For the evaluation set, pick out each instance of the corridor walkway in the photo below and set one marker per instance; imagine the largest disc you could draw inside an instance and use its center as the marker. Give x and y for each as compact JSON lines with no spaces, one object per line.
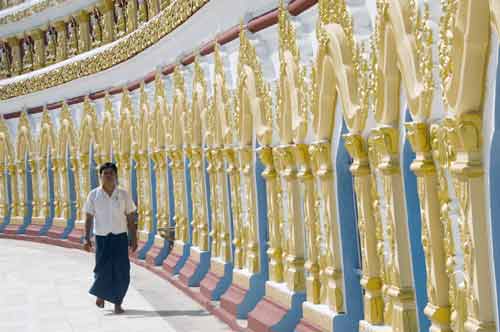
{"x":44,"y":288}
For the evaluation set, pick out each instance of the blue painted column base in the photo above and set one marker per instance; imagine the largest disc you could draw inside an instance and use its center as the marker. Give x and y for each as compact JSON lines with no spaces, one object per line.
{"x":196,"y":267}
{"x":177,"y":257}
{"x":238,"y":301}
{"x":212,"y":286}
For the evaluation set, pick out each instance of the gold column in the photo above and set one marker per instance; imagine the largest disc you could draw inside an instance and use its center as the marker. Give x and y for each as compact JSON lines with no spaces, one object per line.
{"x":4,"y":203}
{"x":160,"y":167}
{"x":222,"y":208}
{"x":106,"y":8}
{"x":312,"y":265}
{"x":77,"y":176}
{"x":250,"y":228}
{"x":180,"y":218}
{"x":465,"y":138}
{"x":21,"y":174}
{"x":84,"y":164}
{"x":438,"y":307}
{"x":294,"y":274}
{"x":233,"y":169}
{"x":153,"y":8}
{"x":399,"y":277}
{"x":35,"y":186}
{"x":371,"y":280}
{"x":131,"y":15}
{"x":15,"y":53}
{"x":83,"y":31}
{"x":212,"y":174}
{"x":14,"y":189}
{"x":57,"y":187}
{"x":44,"y":194}
{"x":199,"y":225}
{"x":61,"y":51}
{"x":275,"y":250}
{"x":39,"y":59}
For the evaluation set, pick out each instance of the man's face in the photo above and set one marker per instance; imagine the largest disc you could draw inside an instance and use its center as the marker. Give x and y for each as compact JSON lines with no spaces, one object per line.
{"x":108,"y":176}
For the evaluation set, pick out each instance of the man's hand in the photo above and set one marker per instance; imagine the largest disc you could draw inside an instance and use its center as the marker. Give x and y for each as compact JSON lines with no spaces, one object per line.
{"x":133,"y":244}
{"x":87,"y":246}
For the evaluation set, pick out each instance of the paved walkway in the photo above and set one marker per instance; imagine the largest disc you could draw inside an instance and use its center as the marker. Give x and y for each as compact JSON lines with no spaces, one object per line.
{"x":44,"y":288}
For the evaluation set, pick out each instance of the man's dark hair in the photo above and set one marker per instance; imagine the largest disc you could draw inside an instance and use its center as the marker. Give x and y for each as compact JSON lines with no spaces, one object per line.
{"x":108,"y":165}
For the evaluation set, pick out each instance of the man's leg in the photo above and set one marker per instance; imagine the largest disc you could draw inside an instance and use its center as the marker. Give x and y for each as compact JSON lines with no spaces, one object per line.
{"x":121,"y":270}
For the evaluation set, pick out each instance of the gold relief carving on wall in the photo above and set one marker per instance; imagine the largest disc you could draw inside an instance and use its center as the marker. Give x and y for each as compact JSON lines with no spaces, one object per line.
{"x":128,"y":46}
{"x":31,"y":10}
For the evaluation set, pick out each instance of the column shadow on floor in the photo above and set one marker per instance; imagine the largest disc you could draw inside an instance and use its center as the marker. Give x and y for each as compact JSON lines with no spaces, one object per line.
{"x":136,"y":313}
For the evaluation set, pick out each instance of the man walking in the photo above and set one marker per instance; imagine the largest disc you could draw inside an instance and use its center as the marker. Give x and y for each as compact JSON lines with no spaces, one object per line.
{"x":112,"y":211}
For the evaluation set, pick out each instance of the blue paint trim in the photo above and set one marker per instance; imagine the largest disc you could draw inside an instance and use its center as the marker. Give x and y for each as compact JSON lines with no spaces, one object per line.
{"x":209,"y":202}
{"x":6,"y":218}
{"x":253,"y":295}
{"x":414,"y":222}
{"x":494,"y":186}
{"x":70,"y":223}
{"x":223,"y":283}
{"x":353,"y":297}
{"x":201,"y":269}
{"x":293,"y":316}
{"x":189,"y":198}
{"x":29,"y":198}
{"x":154,"y":218}
{"x":258,"y":281}
{"x":171,"y":203}
{"x":50,"y":217}
{"x":182,"y":261}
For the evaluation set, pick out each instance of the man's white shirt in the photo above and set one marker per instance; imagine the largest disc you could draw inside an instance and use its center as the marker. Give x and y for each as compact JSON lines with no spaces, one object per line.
{"x":110,"y":212}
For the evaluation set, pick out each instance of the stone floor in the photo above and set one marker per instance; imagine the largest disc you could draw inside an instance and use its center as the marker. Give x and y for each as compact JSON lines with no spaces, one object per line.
{"x":44,"y":288}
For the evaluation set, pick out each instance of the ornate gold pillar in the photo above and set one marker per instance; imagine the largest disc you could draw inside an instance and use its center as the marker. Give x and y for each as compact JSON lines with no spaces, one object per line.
{"x":153,"y":8}
{"x":178,"y":175}
{"x":14,"y":189}
{"x":438,"y":308}
{"x":212,"y":174}
{"x":83,"y":19}
{"x":372,"y":266}
{"x":34,"y":186}
{"x":39,"y":59}
{"x":61,"y":51}
{"x":160,"y":167}
{"x":4,"y":202}
{"x":294,"y":274}
{"x":399,"y":277}
{"x":275,"y":250}
{"x":233,"y":169}
{"x":77,"y":176}
{"x":311,"y":222}
{"x":106,"y":8}
{"x":15,"y":54}
{"x":250,"y":229}
{"x":131,"y":15}
{"x":465,"y":138}
{"x":222,"y":194}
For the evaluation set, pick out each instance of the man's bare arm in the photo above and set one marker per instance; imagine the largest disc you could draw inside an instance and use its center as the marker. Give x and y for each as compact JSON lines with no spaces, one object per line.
{"x":132,"y":229}
{"x":88,"y":225}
